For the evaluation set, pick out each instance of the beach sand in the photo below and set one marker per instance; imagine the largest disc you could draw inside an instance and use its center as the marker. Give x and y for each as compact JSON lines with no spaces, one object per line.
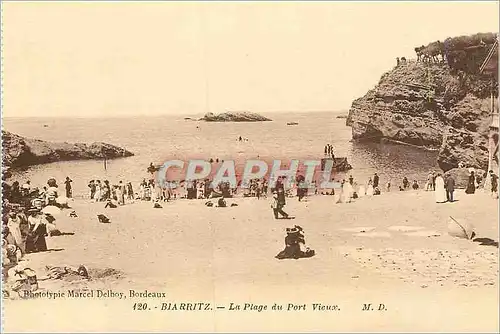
{"x":392,"y":249}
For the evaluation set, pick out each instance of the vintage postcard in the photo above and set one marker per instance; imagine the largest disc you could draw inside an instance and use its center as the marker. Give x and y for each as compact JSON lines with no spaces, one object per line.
{"x":250,"y":166}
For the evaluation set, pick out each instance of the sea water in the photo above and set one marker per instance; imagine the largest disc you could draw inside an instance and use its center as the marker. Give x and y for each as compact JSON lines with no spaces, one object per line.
{"x":157,"y":139}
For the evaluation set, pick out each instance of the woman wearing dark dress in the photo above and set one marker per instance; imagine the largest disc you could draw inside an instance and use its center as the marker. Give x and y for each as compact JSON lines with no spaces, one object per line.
{"x":292,"y":247}
{"x":295,"y":245}
{"x":35,"y":241}
{"x":471,"y":185}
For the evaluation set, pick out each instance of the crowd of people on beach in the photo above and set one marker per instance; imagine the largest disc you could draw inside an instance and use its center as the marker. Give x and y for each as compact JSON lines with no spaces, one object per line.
{"x":444,"y":185}
{"x":122,"y":193}
{"x":106,"y":192}
{"x":28,"y":217}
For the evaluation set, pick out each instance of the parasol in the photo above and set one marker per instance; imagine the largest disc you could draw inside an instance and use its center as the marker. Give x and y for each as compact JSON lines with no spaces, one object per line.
{"x":62,"y":200}
{"x":52,"y":210}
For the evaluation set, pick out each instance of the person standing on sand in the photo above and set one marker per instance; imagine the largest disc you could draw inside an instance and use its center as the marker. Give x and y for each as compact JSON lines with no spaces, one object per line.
{"x":92,"y":189}
{"x":106,"y":191}
{"x":440,"y":193}
{"x":279,"y":184}
{"x":433,"y":180}
{"x":35,"y":241}
{"x":67,"y":183}
{"x":406,"y":183}
{"x":494,"y":182}
{"x":428,"y":184}
{"x":471,"y":184}
{"x":301,"y":187}
{"x":375,"y":180}
{"x":119,"y":194}
{"x":123,"y":191}
{"x":450,"y":188}
{"x":278,"y":203}
{"x":98,"y":191}
{"x":14,"y":224}
{"x":369,"y":188}
{"x":130,"y":192}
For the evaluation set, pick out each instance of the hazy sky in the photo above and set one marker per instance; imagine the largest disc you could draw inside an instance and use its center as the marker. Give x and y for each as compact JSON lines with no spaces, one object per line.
{"x":113,"y":59}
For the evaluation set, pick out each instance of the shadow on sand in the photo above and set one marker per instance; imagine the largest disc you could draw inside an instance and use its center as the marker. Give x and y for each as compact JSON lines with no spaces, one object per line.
{"x":486,"y":242}
{"x":57,"y":233}
{"x":53,"y":250}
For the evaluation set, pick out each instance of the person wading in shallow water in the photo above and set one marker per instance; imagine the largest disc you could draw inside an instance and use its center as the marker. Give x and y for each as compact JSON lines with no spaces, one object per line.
{"x":278,"y":203}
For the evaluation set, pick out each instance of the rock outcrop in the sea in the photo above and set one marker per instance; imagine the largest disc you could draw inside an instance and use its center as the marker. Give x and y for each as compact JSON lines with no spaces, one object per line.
{"x":20,"y":152}
{"x":432,"y":105}
{"x":244,"y":116}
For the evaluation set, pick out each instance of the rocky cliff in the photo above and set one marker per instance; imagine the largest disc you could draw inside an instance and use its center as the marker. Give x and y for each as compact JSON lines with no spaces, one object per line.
{"x":20,"y":152}
{"x":234,"y":117}
{"x":432,"y":105}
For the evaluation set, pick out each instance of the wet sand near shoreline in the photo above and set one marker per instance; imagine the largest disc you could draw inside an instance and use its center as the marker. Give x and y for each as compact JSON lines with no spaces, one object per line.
{"x":404,"y":259}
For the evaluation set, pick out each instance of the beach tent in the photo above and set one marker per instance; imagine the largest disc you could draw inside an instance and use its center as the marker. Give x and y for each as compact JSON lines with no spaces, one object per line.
{"x":460,"y":229}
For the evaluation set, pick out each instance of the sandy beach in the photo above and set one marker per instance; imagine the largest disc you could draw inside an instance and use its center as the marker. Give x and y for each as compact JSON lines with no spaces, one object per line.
{"x":107,"y":102}
{"x":392,"y":249}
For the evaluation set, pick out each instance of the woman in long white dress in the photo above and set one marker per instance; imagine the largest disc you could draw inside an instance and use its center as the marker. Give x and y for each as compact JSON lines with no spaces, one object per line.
{"x":119,"y":195}
{"x":440,"y":192}
{"x":199,"y":190}
{"x":369,"y":188}
{"x":361,"y":191}
{"x":347,"y":191}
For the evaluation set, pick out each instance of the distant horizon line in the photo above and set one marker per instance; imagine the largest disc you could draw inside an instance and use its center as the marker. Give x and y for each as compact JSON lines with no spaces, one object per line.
{"x":180,"y":115}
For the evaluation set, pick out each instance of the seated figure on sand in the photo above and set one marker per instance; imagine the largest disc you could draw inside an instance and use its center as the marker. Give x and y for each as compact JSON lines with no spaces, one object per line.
{"x":295,"y":245}
{"x":221,"y":203}
{"x":111,"y":204}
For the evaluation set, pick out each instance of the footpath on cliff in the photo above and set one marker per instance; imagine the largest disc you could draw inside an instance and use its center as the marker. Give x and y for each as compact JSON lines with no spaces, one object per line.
{"x":442,"y":104}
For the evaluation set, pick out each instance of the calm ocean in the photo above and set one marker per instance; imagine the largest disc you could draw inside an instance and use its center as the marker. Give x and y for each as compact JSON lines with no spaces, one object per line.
{"x":156,"y":139}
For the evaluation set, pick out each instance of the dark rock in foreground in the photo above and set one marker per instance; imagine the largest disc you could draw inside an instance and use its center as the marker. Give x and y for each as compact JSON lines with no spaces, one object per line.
{"x":234,"y":117}
{"x":21,"y":152}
